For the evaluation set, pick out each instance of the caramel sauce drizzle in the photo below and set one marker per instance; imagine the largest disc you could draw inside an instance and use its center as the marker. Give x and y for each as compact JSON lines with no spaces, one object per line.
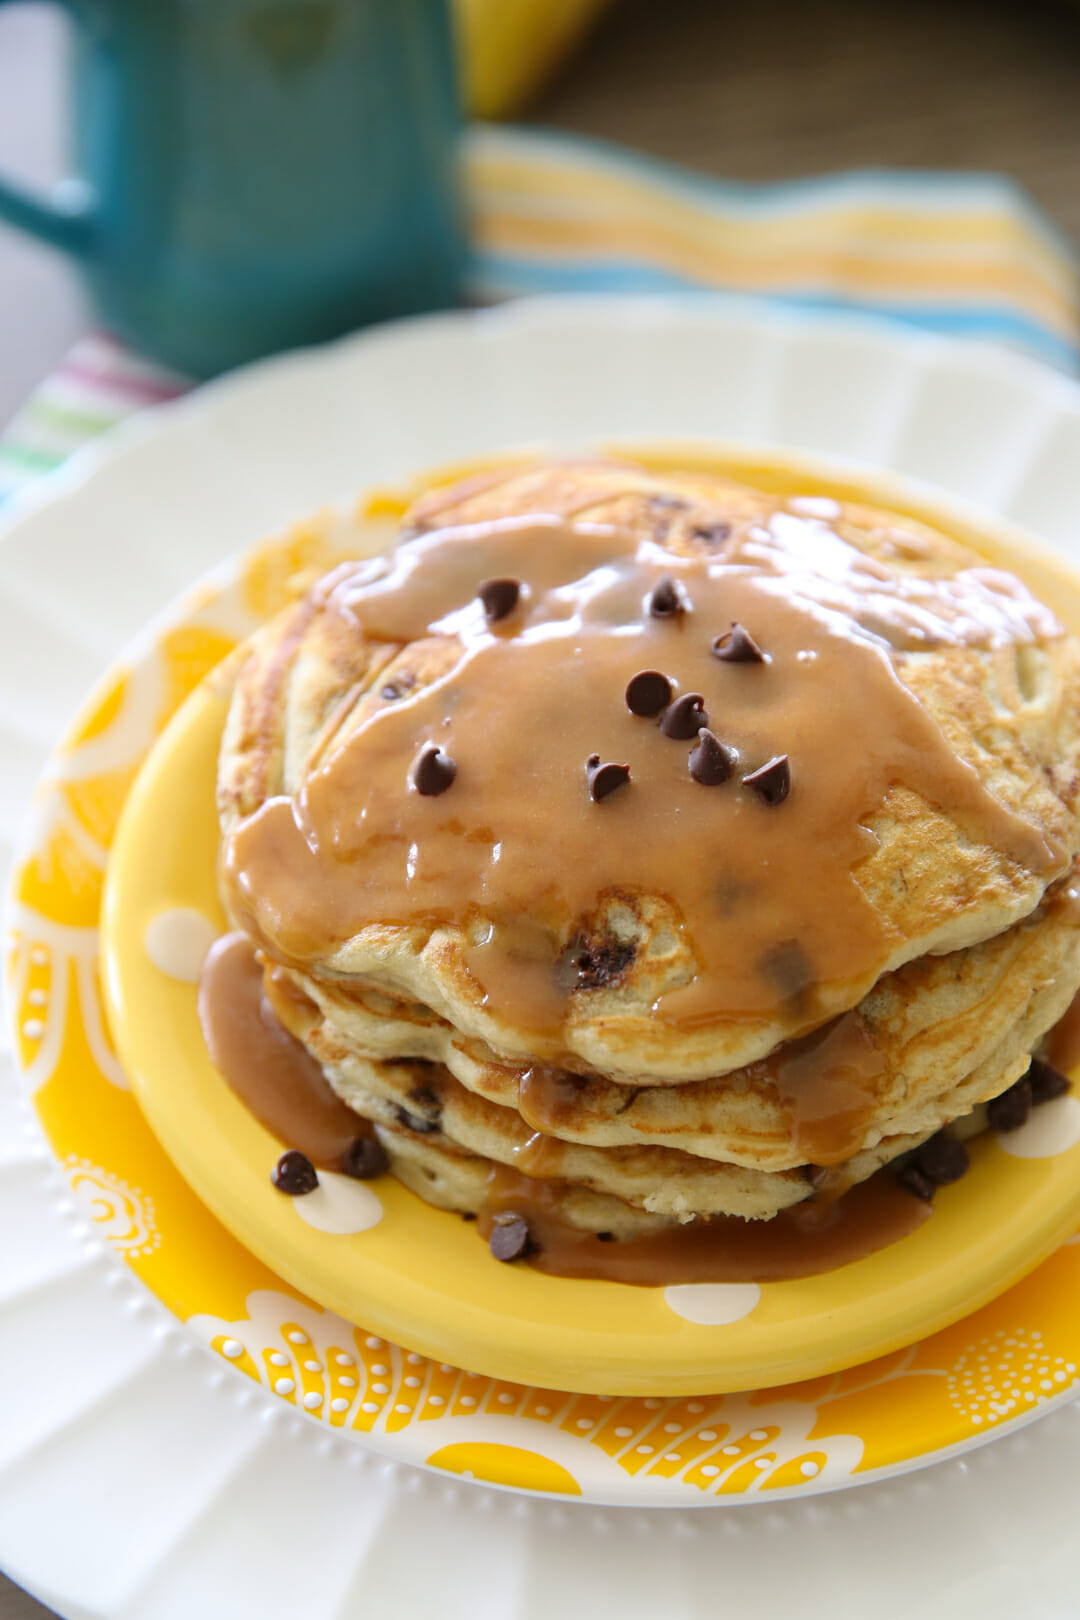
{"x":766,"y":896}
{"x":267,"y":1067}
{"x":1061,"y":1048}
{"x":803,"y":1241}
{"x":284,"y":1087}
{"x":826,"y":1079}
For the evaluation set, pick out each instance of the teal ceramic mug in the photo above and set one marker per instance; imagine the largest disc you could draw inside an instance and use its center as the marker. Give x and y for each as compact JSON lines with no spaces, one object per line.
{"x":257,"y":174}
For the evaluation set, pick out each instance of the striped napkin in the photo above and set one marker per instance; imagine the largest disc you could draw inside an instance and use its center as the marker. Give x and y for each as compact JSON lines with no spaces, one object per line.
{"x":964,"y":254}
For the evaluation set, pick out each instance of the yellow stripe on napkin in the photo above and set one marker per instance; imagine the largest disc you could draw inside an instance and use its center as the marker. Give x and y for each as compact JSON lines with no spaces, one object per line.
{"x":961,"y":252}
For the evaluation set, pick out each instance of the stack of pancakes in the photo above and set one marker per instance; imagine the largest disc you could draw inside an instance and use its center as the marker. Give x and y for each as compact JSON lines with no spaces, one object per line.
{"x":604,"y":1037}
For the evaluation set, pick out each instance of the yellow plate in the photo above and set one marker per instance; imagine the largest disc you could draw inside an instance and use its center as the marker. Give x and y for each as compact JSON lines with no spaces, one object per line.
{"x":424,"y":1279}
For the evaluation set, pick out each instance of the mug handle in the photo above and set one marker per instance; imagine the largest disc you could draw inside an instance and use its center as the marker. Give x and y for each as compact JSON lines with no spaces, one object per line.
{"x":68,"y":220}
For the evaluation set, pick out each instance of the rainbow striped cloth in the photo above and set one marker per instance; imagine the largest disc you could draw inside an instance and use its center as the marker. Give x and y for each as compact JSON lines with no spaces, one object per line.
{"x":964,"y":254}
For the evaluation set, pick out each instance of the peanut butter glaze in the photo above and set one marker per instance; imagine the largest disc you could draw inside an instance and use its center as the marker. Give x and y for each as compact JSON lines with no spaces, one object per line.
{"x":799,"y":1242}
{"x":826,"y":1079}
{"x":285,"y":1089}
{"x":1061,"y":1048}
{"x":766,"y":895}
{"x":269,"y":1070}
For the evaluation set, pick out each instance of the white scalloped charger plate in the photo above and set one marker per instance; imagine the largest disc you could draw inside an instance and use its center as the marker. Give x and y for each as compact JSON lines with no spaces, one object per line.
{"x":140,"y":1477}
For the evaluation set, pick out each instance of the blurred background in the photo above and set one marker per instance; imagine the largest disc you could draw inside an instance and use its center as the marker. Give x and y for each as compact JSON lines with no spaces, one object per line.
{"x":770,"y":90}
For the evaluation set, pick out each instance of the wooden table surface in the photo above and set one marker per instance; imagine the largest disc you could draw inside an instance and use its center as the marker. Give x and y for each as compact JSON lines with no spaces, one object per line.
{"x":762,"y":90}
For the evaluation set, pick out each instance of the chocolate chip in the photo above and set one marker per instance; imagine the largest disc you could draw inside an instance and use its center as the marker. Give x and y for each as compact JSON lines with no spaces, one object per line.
{"x":294,"y":1174}
{"x":663,"y":509}
{"x":787,"y":967}
{"x":433,"y":771}
{"x":509,"y":1238}
{"x":1010,"y":1110}
{"x":685,"y":717}
{"x":604,"y":779}
{"x":771,"y":781}
{"x":667,"y":599}
{"x":1046,"y":1082}
{"x":712,"y":761}
{"x":499,"y":598}
{"x":398,"y":687}
{"x":415,"y":1122}
{"x":468,"y":1215}
{"x":598,"y":961}
{"x":713,"y":534}
{"x":364,"y":1159}
{"x":916,"y":1181}
{"x":737,"y":646}
{"x":605,"y":1237}
{"x":942,"y":1159}
{"x":648,"y":693}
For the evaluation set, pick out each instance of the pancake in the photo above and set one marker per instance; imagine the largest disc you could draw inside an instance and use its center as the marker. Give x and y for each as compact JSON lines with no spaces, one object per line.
{"x":670,"y":848}
{"x":424,"y":1099}
{"x":932,"y":1025}
{"x":975,"y":684}
{"x":455,"y":1180}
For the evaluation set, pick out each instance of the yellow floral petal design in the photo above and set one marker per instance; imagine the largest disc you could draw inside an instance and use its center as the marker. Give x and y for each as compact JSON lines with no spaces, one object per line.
{"x":96,"y":803}
{"x":269,"y":570}
{"x":505,"y":1465}
{"x":103,"y":709}
{"x":60,"y":879}
{"x":799,"y":1471}
{"x":187,"y":654}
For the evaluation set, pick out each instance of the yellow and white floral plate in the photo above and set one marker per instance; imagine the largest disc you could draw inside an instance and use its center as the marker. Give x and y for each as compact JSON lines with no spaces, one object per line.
{"x":377,"y":1254}
{"x":143,"y":1475}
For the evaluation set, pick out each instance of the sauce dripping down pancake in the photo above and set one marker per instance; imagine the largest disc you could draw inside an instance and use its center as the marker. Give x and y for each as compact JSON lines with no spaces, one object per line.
{"x":804,"y":1241}
{"x":284,"y":1087}
{"x":267,"y":1067}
